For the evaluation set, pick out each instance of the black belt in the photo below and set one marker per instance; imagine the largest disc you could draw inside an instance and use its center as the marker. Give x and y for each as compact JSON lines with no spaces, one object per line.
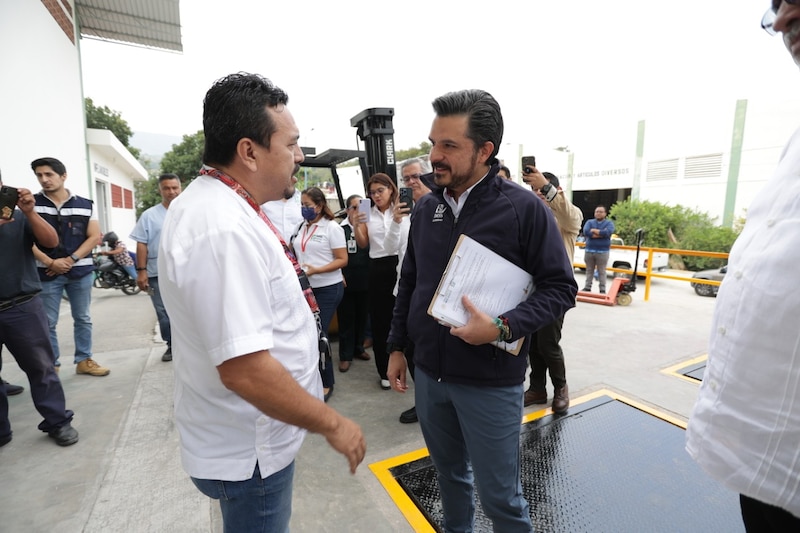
{"x":6,"y":304}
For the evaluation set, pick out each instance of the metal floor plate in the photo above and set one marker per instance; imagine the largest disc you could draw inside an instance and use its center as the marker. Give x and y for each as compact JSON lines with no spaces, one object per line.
{"x":607,"y":466}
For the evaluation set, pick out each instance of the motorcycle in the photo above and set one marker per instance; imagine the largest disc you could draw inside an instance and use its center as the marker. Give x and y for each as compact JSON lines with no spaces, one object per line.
{"x":109,"y":275}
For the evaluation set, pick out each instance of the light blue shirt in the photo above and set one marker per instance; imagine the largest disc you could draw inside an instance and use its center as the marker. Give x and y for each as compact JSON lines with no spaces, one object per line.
{"x":148,"y":231}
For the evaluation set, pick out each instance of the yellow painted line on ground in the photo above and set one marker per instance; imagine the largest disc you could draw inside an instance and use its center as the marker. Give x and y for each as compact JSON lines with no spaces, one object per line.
{"x":674,"y":370}
{"x":412,"y":513}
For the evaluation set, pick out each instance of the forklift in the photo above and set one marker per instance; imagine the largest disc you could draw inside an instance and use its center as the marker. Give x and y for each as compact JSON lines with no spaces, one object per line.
{"x":621,"y":288}
{"x":374,"y":127}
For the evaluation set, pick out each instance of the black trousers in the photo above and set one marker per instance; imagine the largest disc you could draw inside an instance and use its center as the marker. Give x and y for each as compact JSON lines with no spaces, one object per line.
{"x":544,"y":353}
{"x":352,"y":316}
{"x":760,"y":517}
{"x":382,"y":277}
{"x":24,"y":330}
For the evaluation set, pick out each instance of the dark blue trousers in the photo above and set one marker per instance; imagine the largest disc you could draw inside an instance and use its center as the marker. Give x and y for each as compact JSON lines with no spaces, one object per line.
{"x":24,"y":330}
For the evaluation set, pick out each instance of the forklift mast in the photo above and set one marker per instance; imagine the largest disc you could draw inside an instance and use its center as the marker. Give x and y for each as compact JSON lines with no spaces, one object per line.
{"x":374,"y":127}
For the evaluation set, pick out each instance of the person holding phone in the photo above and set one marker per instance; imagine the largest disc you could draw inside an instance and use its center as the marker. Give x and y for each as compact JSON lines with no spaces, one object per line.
{"x":412,"y":171}
{"x":23,"y":321}
{"x":354,"y":307}
{"x":320,"y":248}
{"x":382,"y":234}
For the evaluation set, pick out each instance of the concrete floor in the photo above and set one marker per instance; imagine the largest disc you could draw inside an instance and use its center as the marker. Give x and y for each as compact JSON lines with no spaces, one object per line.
{"x":125,"y":474}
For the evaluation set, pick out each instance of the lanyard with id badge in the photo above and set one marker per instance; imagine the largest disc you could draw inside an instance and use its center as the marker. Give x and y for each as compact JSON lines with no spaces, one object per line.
{"x":305,"y":285}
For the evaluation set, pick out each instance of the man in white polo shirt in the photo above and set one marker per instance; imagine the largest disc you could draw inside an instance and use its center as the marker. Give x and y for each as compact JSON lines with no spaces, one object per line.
{"x":246,"y":342}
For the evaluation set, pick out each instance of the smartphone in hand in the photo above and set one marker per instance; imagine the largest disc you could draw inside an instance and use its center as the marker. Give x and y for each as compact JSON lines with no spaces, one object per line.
{"x":406,"y":197}
{"x":8,"y":201}
{"x":528,"y":161}
{"x":364,"y":205}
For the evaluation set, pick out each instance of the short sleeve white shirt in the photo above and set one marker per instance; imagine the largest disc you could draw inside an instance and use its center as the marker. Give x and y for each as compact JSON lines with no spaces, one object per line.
{"x":285,"y":215}
{"x":230,"y":290}
{"x":314,"y":245}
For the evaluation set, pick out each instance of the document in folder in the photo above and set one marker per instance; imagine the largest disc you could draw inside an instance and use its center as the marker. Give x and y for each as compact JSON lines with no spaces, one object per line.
{"x":494,"y":284}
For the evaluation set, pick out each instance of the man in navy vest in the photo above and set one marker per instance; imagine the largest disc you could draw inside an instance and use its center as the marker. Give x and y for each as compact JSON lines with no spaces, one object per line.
{"x":69,"y":266}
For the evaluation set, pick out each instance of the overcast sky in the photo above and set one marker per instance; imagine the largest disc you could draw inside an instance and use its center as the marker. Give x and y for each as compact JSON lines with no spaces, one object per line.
{"x":575,"y":73}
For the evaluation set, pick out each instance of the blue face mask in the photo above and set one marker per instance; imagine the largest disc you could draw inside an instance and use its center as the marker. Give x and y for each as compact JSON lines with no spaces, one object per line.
{"x":309,"y":213}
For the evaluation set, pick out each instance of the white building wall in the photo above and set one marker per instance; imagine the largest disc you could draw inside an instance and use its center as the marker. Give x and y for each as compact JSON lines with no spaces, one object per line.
{"x":41,"y":101}
{"x":696,"y":132}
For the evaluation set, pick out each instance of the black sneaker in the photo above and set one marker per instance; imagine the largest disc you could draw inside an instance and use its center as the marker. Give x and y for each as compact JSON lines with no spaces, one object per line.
{"x":409,"y":416}
{"x":5,"y":440}
{"x":66,"y":435}
{"x":167,"y":357}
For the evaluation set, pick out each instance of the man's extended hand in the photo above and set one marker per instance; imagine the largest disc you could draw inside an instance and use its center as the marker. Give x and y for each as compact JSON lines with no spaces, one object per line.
{"x":479,"y":329}
{"x":348,"y":440}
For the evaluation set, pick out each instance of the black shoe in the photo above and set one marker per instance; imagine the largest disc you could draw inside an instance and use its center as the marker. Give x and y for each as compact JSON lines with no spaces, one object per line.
{"x":66,"y":435}
{"x":12,"y":390}
{"x":409,"y":417}
{"x":328,"y":394}
{"x":5,"y":440}
{"x":167,"y":357}
{"x":587,"y":289}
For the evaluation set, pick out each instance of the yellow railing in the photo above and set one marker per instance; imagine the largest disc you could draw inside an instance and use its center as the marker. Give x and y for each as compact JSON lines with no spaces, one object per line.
{"x":649,"y":274}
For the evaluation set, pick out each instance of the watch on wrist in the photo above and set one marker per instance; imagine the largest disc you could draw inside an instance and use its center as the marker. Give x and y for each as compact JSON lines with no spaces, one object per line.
{"x":74,"y":257}
{"x":394,"y":347}
{"x":139,"y":269}
{"x":549,"y":192}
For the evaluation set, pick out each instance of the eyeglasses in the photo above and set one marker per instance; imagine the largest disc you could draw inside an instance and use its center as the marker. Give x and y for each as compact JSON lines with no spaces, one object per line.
{"x":410,"y":177}
{"x":376,"y":192}
{"x":768,"y":20}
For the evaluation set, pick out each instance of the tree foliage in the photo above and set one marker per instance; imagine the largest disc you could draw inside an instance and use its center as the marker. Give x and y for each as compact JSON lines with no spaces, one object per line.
{"x":692,"y":230}
{"x":184,"y":160}
{"x":423,"y":149}
{"x":104,"y":118}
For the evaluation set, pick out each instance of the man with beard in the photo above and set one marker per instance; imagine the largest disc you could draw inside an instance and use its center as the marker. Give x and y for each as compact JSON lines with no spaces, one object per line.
{"x":745,"y":427}
{"x":242,"y":311}
{"x":469,"y":392}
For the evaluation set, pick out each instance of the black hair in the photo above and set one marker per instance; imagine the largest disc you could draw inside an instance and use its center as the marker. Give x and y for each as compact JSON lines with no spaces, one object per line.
{"x":383,"y":179}
{"x":168,"y":176}
{"x":485,"y":121}
{"x":318,"y":197}
{"x":57,"y":166}
{"x":552,"y":178}
{"x":350,"y":199}
{"x":235,"y":108}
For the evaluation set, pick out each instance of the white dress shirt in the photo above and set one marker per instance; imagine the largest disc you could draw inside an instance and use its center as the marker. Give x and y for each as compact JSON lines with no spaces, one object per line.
{"x":745,"y":428}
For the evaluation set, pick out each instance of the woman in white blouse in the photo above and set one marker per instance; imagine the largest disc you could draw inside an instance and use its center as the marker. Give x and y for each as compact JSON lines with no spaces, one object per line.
{"x":321,"y":251}
{"x":382,"y":234}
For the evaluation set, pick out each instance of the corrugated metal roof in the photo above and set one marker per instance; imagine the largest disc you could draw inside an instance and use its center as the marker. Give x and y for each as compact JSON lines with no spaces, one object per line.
{"x":151,"y":23}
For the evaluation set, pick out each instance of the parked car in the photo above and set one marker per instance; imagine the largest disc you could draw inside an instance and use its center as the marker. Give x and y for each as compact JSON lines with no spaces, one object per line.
{"x":715,"y":274}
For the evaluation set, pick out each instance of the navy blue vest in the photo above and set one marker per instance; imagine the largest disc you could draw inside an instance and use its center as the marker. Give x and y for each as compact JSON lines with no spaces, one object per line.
{"x":71,"y":222}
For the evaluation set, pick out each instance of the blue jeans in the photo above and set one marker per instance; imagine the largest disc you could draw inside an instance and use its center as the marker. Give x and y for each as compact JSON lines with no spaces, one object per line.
{"x":255,"y":504}
{"x":79,"y":292}
{"x":328,"y":299}
{"x":129,"y":270}
{"x":161,"y":311}
{"x":474,"y":429}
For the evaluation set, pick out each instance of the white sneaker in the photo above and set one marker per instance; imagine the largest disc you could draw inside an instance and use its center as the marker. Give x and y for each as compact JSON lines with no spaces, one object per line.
{"x":385,"y":384}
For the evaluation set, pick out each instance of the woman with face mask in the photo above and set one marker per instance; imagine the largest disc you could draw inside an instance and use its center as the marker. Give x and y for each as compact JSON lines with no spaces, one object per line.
{"x":322,"y":252}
